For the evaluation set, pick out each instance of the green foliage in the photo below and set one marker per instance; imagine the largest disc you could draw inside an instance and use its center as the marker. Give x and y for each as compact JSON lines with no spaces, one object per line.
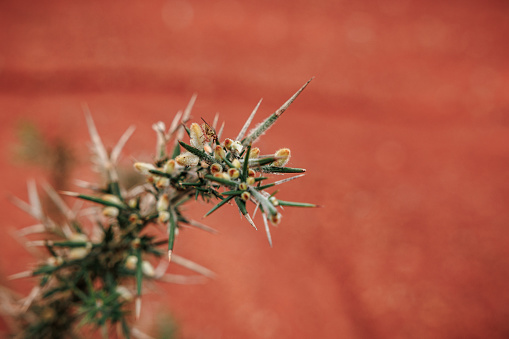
{"x":96,"y":268}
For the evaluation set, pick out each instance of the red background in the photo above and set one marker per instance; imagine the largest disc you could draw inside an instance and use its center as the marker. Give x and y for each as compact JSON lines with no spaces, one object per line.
{"x":404,"y":133}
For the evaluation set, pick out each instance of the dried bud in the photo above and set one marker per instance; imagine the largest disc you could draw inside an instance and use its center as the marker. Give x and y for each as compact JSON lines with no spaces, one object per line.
{"x":110,"y":211}
{"x":197,"y":136}
{"x":233,"y":173}
{"x":236,"y":163}
{"x":245,"y":195}
{"x":216,"y":168}
{"x":284,"y":154}
{"x":147,"y":269}
{"x":163,"y":203}
{"x":130,"y":262}
{"x":255,"y":153}
{"x":169,"y":166}
{"x":219,"y":153}
{"x":144,"y":168}
{"x":187,"y":159}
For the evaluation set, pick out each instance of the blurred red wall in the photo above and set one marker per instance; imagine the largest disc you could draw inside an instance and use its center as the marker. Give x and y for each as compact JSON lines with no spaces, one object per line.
{"x":404,"y":133}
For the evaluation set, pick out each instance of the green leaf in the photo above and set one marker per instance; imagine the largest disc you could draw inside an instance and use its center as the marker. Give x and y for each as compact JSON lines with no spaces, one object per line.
{"x":265,"y":186}
{"x":96,"y":200}
{"x":114,"y":189}
{"x":262,"y":161}
{"x":241,"y":205}
{"x":275,"y":169}
{"x":267,"y":205}
{"x":125,"y":328}
{"x":176,"y":151}
{"x":242,"y":208}
{"x":224,"y":201}
{"x":160,"y":173}
{"x":173,"y":227}
{"x":223,"y":181}
{"x":267,"y":123}
{"x":245,"y":166}
{"x":139,"y":272}
{"x":70,"y":244}
{"x":235,"y":192}
{"x":295,"y":204}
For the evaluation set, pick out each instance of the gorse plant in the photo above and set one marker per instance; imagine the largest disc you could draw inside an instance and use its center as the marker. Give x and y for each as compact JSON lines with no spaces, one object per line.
{"x":95,"y":268}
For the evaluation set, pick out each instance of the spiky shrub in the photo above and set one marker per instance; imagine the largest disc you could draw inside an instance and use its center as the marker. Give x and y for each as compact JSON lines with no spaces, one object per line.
{"x":96,"y":269}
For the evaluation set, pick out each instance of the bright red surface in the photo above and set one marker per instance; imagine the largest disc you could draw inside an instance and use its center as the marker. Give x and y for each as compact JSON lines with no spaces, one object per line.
{"x":404,"y":133}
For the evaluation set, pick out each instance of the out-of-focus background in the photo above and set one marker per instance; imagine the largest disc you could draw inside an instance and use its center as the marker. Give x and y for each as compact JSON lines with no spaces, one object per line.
{"x":404,"y":132}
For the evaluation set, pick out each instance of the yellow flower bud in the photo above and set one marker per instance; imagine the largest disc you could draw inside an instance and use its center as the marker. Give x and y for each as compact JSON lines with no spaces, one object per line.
{"x":250,"y":180}
{"x":242,"y":186}
{"x":245,"y":195}
{"x":228,"y":143}
{"x":226,"y":176}
{"x":143,"y":167}
{"x":216,"y":168}
{"x":133,"y":218}
{"x":251,"y":173}
{"x":132,"y":203}
{"x":136,"y":243}
{"x":169,"y":166}
{"x":219,"y":153}
{"x":130,"y":262}
{"x":274,"y":201}
{"x":236,"y":163}
{"x":55,"y":261}
{"x":255,"y":153}
{"x":164,"y":216}
{"x":162,"y":182}
{"x":163,"y":203}
{"x":233,"y":173}
{"x":110,"y":211}
{"x":275,"y":218}
{"x":79,"y":252}
{"x":284,"y":155}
